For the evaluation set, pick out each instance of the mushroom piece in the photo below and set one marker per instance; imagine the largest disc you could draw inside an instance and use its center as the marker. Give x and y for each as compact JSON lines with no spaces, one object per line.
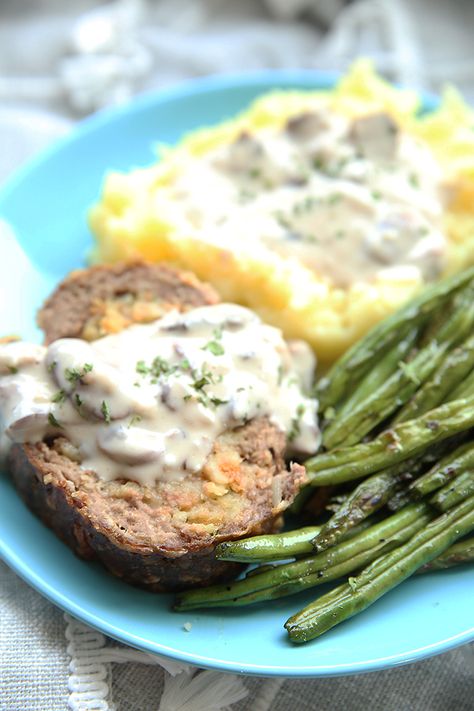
{"x":400,"y":239}
{"x":18,"y":354}
{"x":69,"y":359}
{"x":30,"y":428}
{"x":245,"y":153}
{"x":375,"y":136}
{"x":306,"y":126}
{"x":130,"y":445}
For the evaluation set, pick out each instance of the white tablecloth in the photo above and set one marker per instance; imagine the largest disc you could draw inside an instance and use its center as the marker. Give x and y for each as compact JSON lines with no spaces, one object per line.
{"x":58,"y":64}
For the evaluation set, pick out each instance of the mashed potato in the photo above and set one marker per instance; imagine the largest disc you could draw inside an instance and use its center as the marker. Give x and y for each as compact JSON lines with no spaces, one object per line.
{"x":322,"y":246}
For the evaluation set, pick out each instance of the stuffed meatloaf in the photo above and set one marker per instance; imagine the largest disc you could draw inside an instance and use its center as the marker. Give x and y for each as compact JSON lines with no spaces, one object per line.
{"x":155,"y":422}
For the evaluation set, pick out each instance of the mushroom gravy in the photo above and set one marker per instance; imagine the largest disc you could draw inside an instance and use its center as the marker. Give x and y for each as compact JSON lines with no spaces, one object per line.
{"x":351,"y":199}
{"x":149,"y":402}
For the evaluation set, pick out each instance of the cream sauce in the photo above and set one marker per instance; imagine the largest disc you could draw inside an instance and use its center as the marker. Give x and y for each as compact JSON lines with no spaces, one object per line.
{"x":350,"y":199}
{"x":148,"y":403}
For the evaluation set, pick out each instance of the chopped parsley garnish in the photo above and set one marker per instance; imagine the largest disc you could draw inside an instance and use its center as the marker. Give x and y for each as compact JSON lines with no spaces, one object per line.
{"x":73,"y":374}
{"x":296,"y":423}
{"x":282,"y":220}
{"x":105,"y":410}
{"x":305,"y":205}
{"x":142,"y":368}
{"x":245,"y":195}
{"x":318,"y":163}
{"x":255,"y":173}
{"x":79,"y":403}
{"x":376,"y":194}
{"x":53,"y":421}
{"x":60,"y":396}
{"x":281,"y":373}
{"x":12,"y":369}
{"x":304,"y":172}
{"x":330,"y":169}
{"x":160,"y":366}
{"x":414,"y":180}
{"x":204,"y":400}
{"x":217,"y":401}
{"x":341,"y":163}
{"x":340,"y":234}
{"x":52,"y":366}
{"x":214,"y":347}
{"x":200,"y":383}
{"x":206,"y":378}
{"x":134,"y":420}
{"x":334,"y":198}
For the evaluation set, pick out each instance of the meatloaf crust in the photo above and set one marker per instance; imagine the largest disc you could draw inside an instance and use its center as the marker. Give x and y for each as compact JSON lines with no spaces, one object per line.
{"x":149,"y":547}
{"x":104,"y":299}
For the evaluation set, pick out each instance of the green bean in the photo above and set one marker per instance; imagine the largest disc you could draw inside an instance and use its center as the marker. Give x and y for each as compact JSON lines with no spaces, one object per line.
{"x":272,"y":584}
{"x":380,"y":371}
{"x":350,"y":427}
{"x":454,"y":492}
{"x":369,"y":496}
{"x":399,"y":500}
{"x":465,"y":389}
{"x":358,"y":360}
{"x":456,"y":366}
{"x":444,"y":471}
{"x":392,"y":446}
{"x":458,"y":554}
{"x":293,"y":577}
{"x":277,"y":546}
{"x":274,"y":546}
{"x":386,"y":572}
{"x":438,"y":523}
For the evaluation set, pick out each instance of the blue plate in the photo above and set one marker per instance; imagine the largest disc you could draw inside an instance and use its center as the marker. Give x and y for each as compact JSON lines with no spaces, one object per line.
{"x":45,"y":206}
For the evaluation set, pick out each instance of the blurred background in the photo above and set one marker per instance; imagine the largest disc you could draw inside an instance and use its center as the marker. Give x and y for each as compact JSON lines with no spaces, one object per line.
{"x":60,"y":61}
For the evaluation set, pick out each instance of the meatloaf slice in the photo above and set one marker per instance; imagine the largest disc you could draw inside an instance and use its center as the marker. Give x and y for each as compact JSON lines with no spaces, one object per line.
{"x":105,"y":299}
{"x":161,"y":537}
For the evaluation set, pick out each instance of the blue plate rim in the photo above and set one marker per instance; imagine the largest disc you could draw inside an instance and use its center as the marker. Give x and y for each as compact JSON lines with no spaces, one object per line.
{"x":311,"y":78}
{"x":196,"y":85}
{"x":303,"y":671}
